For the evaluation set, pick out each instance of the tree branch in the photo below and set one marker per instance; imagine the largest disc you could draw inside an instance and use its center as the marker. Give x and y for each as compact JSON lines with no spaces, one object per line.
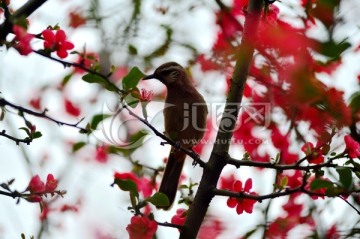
{"x":81,"y":66}
{"x":26,"y":10}
{"x":43,"y":114}
{"x":216,"y":162}
{"x":16,"y":140}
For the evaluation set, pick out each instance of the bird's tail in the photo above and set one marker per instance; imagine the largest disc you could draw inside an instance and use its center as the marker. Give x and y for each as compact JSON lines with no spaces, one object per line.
{"x":170,"y":180}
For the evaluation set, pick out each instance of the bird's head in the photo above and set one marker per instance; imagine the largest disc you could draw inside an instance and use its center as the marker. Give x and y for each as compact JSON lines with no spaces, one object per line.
{"x":169,"y":73}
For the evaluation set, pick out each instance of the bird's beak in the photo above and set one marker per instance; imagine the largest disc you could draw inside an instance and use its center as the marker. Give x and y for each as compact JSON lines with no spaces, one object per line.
{"x":148,"y":77}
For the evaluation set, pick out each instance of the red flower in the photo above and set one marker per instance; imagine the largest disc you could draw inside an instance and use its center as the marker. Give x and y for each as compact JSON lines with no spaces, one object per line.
{"x":36,"y":185}
{"x":88,"y":60}
{"x":141,"y":228}
{"x":71,"y":109}
{"x":57,"y":42}
{"x":22,"y":40}
{"x":36,"y":103}
{"x":51,"y":183}
{"x":180,"y":217}
{"x":76,"y":19}
{"x":314,"y":155}
{"x":352,"y":147}
{"x":242,"y":204}
{"x":227,"y":182}
{"x":101,"y":154}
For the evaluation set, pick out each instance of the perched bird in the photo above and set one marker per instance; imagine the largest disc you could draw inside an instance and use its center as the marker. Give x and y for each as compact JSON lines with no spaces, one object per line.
{"x":185,"y":116}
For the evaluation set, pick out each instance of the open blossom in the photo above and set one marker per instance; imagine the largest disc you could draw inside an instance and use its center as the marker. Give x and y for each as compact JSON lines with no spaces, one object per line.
{"x":352,"y":147}
{"x":314,"y":155}
{"x":242,"y":204}
{"x":51,"y":183}
{"x":57,"y":42}
{"x":22,"y":40}
{"x":180,"y":217}
{"x":146,"y":95}
{"x":141,"y":228}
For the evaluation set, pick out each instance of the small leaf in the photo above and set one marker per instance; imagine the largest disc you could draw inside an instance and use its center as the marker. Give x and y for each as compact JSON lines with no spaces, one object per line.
{"x":158,"y":200}
{"x":92,"y":78}
{"x":127,"y":185}
{"x":132,"y":50}
{"x":78,"y":146}
{"x":131,"y":101}
{"x":320,"y":183}
{"x":132,"y":78}
{"x":66,"y":79}
{"x":26,"y":130}
{"x":97,"y":119}
{"x":345,"y":178}
{"x":36,"y":135}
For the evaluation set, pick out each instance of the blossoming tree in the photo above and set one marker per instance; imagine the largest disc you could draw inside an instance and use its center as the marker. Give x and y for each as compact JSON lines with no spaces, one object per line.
{"x":281,"y":150}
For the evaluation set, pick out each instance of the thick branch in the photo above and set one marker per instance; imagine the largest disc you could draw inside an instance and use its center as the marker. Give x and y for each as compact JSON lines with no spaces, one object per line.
{"x":216,"y":162}
{"x":26,"y":10}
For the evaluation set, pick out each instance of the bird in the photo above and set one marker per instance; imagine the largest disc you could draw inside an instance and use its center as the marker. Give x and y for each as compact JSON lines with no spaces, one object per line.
{"x":185,"y":115}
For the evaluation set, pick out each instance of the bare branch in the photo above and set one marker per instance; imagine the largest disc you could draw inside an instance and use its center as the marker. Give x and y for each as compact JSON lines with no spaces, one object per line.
{"x":43,"y":114}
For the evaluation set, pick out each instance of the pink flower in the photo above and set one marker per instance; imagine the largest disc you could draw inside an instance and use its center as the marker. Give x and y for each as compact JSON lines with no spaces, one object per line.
{"x":57,"y":42}
{"x":146,"y":95}
{"x":22,"y":40}
{"x":141,"y":228}
{"x":36,"y":185}
{"x":51,"y":183}
{"x":242,"y":204}
{"x":180,"y":217}
{"x":352,"y":147}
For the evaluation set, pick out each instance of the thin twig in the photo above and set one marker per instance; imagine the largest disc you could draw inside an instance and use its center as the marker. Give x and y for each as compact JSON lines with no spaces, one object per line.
{"x":81,"y":66}
{"x":43,"y":114}
{"x":16,"y":140}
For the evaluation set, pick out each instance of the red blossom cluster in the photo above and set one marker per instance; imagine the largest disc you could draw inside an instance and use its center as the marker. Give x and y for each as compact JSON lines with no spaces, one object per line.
{"x":38,"y":188}
{"x":57,"y":42}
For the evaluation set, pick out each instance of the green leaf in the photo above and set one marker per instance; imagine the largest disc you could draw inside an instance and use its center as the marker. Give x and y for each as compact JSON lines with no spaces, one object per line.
{"x":131,"y":100}
{"x":333,"y":49}
{"x":320,"y":183}
{"x":92,"y":78}
{"x":345,"y":178}
{"x":78,"y":146}
{"x":26,"y":130}
{"x":36,"y":135}
{"x":355,"y":102}
{"x":97,"y":119}
{"x":158,"y":200}
{"x":127,"y":185}
{"x":132,"y":50}
{"x":66,"y":79}
{"x":132,"y":78}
